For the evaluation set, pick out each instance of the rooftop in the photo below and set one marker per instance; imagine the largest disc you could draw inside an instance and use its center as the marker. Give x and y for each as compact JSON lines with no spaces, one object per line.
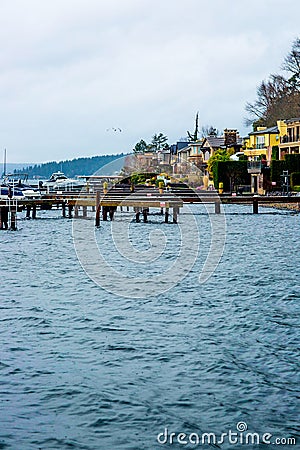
{"x":270,"y":130}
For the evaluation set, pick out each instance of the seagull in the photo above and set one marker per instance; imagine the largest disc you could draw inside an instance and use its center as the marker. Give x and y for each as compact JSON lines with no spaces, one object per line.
{"x":114,"y":129}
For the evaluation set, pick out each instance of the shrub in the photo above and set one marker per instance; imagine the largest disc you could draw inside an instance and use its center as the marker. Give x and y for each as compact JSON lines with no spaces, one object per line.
{"x":295,"y":180}
{"x":231,"y":172}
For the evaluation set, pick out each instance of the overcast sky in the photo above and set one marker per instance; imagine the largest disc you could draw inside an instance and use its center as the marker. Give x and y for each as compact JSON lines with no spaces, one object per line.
{"x":72,"y":71}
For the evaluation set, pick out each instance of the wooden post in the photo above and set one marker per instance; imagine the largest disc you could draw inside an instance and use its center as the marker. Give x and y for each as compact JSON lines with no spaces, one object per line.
{"x":34,"y":211}
{"x":104,"y":213}
{"x":84,"y":211}
{"x":4,"y":218}
{"x":13,"y":219}
{"x":255,"y":206}
{"x":137,"y":214}
{"x":76,"y":211}
{"x":167,"y":215}
{"x":28,"y":209}
{"x":145,"y":214}
{"x":217,"y":207}
{"x":98,"y":208}
{"x":175,"y":214}
{"x":112,"y":210}
{"x":70,"y":208}
{"x":63,"y":207}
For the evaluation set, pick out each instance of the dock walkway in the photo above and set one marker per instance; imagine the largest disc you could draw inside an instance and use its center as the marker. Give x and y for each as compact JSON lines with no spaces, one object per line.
{"x":141,"y":200}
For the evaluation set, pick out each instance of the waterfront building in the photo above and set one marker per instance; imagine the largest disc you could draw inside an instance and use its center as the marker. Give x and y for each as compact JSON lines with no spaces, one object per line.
{"x":289,"y":137}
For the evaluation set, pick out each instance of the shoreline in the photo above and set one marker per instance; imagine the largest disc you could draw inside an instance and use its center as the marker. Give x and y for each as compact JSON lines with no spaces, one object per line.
{"x":284,"y":206}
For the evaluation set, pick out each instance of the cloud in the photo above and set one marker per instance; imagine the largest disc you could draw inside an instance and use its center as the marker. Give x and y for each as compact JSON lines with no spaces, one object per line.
{"x":71,"y":69}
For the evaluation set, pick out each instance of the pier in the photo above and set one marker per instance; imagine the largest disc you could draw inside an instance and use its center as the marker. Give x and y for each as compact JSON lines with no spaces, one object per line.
{"x":140,"y":202}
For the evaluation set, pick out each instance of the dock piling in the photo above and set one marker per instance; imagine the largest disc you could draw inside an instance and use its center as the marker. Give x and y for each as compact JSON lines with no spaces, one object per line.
{"x":217,"y":207}
{"x":145,"y":214}
{"x":34,"y":211}
{"x":167,"y":215}
{"x":28,"y":209}
{"x":70,"y":208}
{"x":255,"y":206}
{"x":98,"y":208}
{"x":175,"y":214}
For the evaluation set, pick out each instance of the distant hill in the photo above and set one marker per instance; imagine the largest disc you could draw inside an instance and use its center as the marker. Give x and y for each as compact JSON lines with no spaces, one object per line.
{"x":73,"y":167}
{"x":13,"y":167}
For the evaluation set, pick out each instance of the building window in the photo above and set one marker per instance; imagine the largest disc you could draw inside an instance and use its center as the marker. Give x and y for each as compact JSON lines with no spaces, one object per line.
{"x":260,"y":141}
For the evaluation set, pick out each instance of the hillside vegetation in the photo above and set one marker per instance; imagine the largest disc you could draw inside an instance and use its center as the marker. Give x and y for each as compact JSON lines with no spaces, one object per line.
{"x":78,"y":166}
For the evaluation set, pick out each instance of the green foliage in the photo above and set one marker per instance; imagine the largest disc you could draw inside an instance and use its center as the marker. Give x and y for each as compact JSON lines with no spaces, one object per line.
{"x":275,"y":152}
{"x":295,"y":180}
{"x":292,"y":163}
{"x":140,"y":147}
{"x":277,"y":168}
{"x":71,"y":168}
{"x":139,"y":178}
{"x":231,"y":173}
{"x":218,"y":155}
{"x":158,"y":142}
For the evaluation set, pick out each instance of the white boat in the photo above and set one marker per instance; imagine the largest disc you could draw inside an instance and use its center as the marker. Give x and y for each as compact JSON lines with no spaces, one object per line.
{"x":60,"y":182}
{"x":16,"y":183}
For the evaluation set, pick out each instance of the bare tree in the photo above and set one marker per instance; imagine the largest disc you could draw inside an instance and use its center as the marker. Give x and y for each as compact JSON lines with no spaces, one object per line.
{"x":209,"y":130}
{"x":278,"y":96}
{"x":291,"y":62}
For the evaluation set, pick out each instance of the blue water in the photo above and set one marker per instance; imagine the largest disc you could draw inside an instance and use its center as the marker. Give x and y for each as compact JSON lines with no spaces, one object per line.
{"x":81,"y":368}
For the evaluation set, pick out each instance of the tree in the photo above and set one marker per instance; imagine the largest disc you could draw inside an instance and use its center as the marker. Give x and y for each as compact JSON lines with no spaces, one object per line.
{"x":140,"y":147}
{"x":193,"y":137}
{"x":219,"y":155}
{"x":291,"y":64}
{"x":269,"y":93}
{"x":279,"y":96}
{"x":158,"y":142}
{"x":209,"y":130}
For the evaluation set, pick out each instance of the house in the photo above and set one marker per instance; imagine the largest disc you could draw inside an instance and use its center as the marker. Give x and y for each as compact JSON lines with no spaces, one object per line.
{"x":198,"y":153}
{"x":147,"y":160}
{"x":289,"y":137}
{"x":260,"y":142}
{"x":230,"y":139}
{"x":190,"y":154}
{"x":258,"y":149}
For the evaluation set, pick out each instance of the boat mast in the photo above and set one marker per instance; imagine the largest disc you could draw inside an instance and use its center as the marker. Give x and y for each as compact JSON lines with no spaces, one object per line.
{"x":4,"y":163}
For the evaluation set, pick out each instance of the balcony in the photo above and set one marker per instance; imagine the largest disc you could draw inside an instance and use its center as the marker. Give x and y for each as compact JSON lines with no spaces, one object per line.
{"x":289,"y":139}
{"x":260,"y":146}
{"x":254,"y":166}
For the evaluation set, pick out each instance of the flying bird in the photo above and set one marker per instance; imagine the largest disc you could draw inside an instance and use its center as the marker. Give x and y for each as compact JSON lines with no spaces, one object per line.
{"x":114,"y":129}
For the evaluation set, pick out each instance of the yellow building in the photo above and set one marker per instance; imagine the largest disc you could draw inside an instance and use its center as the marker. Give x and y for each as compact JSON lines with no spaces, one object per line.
{"x":261,"y":141}
{"x":289,"y":137}
{"x":258,"y":149}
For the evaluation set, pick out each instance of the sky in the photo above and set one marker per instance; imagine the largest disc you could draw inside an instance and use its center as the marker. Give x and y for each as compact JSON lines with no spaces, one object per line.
{"x":76,"y":72}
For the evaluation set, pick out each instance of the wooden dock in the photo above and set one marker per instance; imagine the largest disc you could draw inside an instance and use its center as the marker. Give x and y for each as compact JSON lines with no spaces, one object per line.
{"x":169,"y":203}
